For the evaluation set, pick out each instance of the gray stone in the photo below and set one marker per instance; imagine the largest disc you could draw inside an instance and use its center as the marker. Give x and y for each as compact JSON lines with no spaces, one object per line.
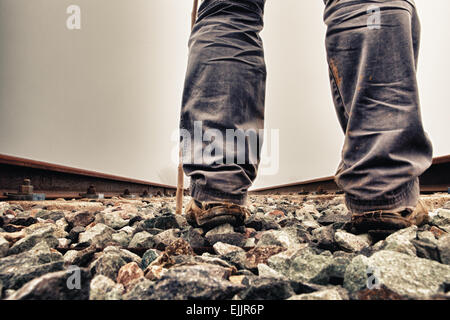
{"x":310,"y":225}
{"x":335,"y":272}
{"x":113,"y":220}
{"x":250,"y":243}
{"x":195,"y":238}
{"x":71,"y":284}
{"x":426,"y":235}
{"x":62,"y":224}
{"x":165,"y":238}
{"x":16,"y":270}
{"x":441,"y":218}
{"x":310,"y":267}
{"x":99,"y":235}
{"x":81,"y":258}
{"x":286,"y":238}
{"x":401,"y":273}
{"x":426,"y":249}
{"x":324,"y":238}
{"x":54,"y":215}
{"x":443,"y":246}
{"x":8,"y":293}
{"x":141,"y":290}
{"x":222,"y":229}
{"x":148,"y":257}
{"x":4,"y":247}
{"x":357,"y":274}
{"x":142,"y":240}
{"x":224,"y":248}
{"x":305,"y":265}
{"x":265,"y":271}
{"x":58,"y":228}
{"x":195,"y":283}
{"x":64,"y":243}
{"x":70,"y":256}
{"x":103,"y":288}
{"x":108,"y":265}
{"x":4,"y":206}
{"x":166,"y":221}
{"x":307,"y":212}
{"x":259,"y":222}
{"x":204,"y":259}
{"x":235,"y":239}
{"x":349,"y":242}
{"x":401,"y":241}
{"x":43,"y":227}
{"x":126,"y":255}
{"x":261,"y":254}
{"x":225,"y":233}
{"x":80,"y":218}
{"x":122,"y":238}
{"x":260,"y":288}
{"x":28,"y":242}
{"x":336,"y":214}
{"x":75,"y":232}
{"x":127,"y":229}
{"x":281,"y":262}
{"x":22,"y":220}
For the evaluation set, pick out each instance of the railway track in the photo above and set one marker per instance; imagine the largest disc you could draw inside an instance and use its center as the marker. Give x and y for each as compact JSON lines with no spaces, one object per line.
{"x":435,"y":179}
{"x":56,"y":181}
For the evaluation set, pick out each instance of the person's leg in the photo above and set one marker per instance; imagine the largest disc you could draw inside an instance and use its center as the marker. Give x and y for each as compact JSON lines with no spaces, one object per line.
{"x":224,"y":90}
{"x":373,"y":78}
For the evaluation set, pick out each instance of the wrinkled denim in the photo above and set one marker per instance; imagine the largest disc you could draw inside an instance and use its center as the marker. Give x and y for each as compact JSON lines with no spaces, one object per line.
{"x":373,"y":84}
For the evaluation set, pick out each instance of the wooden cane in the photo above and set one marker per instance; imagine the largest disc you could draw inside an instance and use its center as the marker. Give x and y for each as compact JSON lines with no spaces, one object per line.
{"x":194,"y":14}
{"x":180,"y":180}
{"x":180,"y":184}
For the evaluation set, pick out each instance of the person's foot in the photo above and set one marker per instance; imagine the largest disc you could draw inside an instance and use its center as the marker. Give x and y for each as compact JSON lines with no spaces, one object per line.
{"x":380,"y":224}
{"x":208,"y":215}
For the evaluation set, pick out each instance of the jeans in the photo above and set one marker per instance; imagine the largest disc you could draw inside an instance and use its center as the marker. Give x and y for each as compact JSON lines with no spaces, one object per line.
{"x":372,"y":68}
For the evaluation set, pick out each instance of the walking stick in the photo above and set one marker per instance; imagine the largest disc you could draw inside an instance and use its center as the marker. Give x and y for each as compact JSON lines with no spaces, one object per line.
{"x":194,"y":14}
{"x":180,"y":180}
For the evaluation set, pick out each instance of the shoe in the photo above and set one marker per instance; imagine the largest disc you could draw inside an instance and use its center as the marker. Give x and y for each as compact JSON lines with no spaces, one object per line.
{"x":380,"y":224}
{"x":208,"y":215}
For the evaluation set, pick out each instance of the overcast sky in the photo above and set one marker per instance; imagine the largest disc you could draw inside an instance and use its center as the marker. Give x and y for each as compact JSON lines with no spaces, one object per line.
{"x":107,"y":97}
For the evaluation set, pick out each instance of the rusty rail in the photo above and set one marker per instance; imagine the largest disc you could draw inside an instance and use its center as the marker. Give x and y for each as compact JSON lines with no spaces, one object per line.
{"x":435,"y":179}
{"x":58,"y":181}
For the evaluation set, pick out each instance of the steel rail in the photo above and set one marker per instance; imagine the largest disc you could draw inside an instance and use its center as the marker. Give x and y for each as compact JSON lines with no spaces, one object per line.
{"x":435,"y":179}
{"x":58,"y":181}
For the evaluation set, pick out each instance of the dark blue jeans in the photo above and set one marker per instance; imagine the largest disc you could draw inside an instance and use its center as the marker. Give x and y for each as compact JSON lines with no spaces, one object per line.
{"x":372,"y":51}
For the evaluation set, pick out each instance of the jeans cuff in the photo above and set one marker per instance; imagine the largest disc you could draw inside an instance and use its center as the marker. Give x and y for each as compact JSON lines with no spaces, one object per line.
{"x":204,"y":194}
{"x":404,"y":197}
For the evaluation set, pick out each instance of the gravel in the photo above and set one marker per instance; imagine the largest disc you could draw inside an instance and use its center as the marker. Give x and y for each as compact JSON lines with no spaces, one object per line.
{"x":292,"y":247}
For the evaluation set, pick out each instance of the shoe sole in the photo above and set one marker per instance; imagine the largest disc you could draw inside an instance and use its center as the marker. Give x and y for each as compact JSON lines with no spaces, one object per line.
{"x":381,"y":224}
{"x":219,"y":215}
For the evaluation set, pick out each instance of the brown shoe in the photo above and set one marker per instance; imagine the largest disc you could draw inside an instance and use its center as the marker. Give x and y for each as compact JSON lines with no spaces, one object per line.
{"x":383,"y":223}
{"x":208,"y":215}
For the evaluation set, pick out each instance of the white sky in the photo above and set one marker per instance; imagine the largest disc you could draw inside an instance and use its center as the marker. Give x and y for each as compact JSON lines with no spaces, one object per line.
{"x":107,"y":97}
